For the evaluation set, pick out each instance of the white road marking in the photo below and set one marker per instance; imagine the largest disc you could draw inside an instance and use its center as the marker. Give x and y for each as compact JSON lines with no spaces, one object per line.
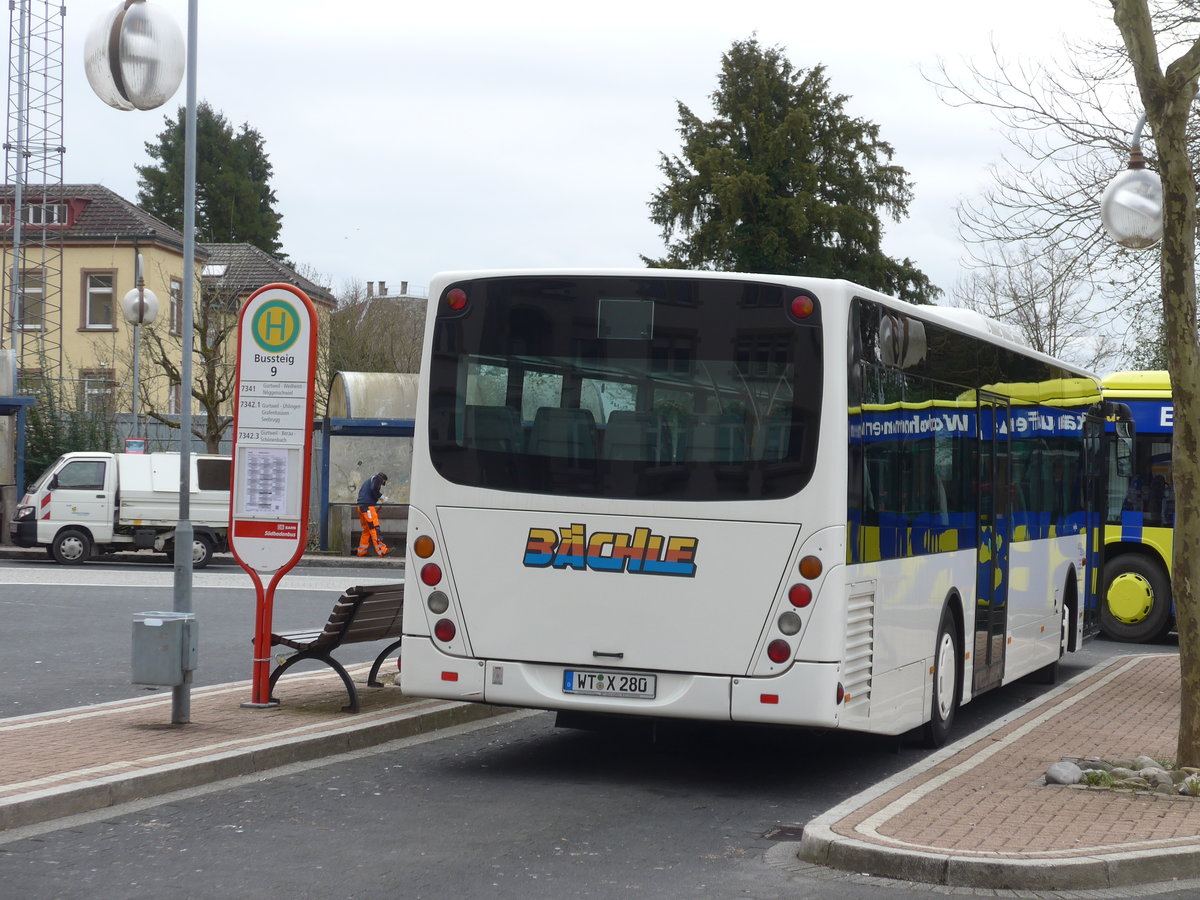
{"x":91,"y":576}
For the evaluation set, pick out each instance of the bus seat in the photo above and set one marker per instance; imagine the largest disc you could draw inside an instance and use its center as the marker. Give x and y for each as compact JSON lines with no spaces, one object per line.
{"x":494,"y":428}
{"x":569,"y":433}
{"x":634,"y":435}
{"x":715,"y":438}
{"x":778,"y":435}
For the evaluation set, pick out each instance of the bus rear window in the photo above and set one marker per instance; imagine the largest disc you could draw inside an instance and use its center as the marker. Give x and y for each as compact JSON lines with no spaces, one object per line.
{"x":669,"y":388}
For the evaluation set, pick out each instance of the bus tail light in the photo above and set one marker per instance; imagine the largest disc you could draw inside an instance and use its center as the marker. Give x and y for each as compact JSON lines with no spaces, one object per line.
{"x":841,"y":693}
{"x":778,"y":651}
{"x":800,"y":595}
{"x":445,"y":630}
{"x":424,"y":546}
{"x":438,"y":602}
{"x":431,"y":574}
{"x":811,"y":568}
{"x":789,"y":623}
{"x":456,"y":299}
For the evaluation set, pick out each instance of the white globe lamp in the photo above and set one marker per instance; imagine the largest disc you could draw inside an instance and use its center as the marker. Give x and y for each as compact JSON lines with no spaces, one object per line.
{"x":134,"y":56}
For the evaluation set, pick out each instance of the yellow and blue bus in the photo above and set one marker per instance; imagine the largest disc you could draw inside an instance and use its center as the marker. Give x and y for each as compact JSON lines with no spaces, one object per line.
{"x":1135,"y":601}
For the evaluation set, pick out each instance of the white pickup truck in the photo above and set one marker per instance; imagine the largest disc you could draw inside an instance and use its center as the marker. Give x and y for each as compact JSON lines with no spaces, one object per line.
{"x":88,"y":503}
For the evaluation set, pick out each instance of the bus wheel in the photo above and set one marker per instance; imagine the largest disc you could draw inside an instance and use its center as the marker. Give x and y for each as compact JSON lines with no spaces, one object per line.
{"x":1136,"y":603}
{"x":71,"y":546}
{"x":947,"y":683}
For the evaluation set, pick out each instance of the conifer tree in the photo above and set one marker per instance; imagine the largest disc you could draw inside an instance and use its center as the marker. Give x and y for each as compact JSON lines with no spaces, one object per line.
{"x":234,"y":199}
{"x":783,"y":181}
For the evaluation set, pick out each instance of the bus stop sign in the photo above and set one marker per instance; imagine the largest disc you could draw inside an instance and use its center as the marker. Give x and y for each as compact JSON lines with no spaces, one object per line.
{"x":272,"y":448}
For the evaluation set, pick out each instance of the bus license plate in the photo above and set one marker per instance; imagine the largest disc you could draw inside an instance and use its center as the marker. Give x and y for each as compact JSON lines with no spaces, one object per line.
{"x":609,"y":684}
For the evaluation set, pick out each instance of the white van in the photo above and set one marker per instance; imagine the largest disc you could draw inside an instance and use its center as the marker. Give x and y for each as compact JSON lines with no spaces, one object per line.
{"x":88,"y":503}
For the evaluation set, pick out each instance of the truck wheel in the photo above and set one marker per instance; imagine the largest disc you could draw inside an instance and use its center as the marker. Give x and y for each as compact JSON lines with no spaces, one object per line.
{"x":202,"y":551}
{"x":71,"y":546}
{"x":1135,"y":605}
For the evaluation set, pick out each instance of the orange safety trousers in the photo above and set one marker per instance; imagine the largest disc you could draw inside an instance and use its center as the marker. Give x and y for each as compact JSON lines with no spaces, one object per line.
{"x":369,"y":521}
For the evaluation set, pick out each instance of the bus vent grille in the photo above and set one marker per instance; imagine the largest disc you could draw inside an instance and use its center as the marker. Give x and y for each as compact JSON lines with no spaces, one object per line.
{"x":858,"y":667}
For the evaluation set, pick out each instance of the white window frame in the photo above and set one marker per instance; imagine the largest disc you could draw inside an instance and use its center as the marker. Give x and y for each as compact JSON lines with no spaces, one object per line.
{"x":93,"y":293}
{"x":96,"y":384}
{"x":175,"y":325}
{"x":44,"y":214}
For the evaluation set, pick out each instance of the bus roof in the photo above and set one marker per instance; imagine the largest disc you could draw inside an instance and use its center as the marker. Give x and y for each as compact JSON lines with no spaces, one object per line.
{"x":1149,"y":383}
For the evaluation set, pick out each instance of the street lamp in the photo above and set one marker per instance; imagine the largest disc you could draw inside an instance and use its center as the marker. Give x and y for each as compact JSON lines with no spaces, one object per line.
{"x":140,"y":307}
{"x":132,"y":58}
{"x":1131,"y":208}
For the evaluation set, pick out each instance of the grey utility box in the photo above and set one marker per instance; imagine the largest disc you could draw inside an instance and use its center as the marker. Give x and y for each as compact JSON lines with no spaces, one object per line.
{"x":164,"y":647}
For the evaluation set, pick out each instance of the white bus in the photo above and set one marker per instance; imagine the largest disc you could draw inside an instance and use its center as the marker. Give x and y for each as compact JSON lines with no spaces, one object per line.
{"x":735,"y":497}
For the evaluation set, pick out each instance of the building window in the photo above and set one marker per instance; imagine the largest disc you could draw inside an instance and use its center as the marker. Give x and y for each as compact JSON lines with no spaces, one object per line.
{"x":31,"y":382}
{"x":45,"y":214}
{"x":174,"y":407}
{"x":98,"y":301}
{"x":31,"y":315}
{"x":97,"y":391}
{"x":176,"y":306}
{"x":38,"y":214}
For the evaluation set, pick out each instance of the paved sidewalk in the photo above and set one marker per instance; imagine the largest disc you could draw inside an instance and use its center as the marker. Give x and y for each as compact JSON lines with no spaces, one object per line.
{"x":978,"y":814}
{"x":73,"y":761}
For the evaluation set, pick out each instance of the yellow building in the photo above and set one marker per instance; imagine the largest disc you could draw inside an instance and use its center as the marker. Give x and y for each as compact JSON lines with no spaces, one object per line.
{"x":65,"y":322}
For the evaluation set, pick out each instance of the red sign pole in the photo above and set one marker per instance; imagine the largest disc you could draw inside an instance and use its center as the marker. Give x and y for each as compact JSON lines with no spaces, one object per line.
{"x":272,"y":451}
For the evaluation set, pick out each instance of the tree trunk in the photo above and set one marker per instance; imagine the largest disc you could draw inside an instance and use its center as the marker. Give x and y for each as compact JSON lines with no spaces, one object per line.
{"x":1168,"y":101}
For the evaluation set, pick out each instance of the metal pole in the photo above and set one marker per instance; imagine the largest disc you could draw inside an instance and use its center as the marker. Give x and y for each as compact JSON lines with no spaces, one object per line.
{"x":137,"y":340}
{"x":181,"y":700}
{"x":137,"y":353}
{"x":19,"y":175}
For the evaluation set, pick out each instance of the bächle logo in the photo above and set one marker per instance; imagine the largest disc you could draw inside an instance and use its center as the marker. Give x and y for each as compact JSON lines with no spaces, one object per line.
{"x":275,"y":326}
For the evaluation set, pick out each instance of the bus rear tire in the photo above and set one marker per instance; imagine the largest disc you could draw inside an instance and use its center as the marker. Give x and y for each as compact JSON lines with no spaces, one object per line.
{"x":947,"y":684}
{"x":1135,"y":605}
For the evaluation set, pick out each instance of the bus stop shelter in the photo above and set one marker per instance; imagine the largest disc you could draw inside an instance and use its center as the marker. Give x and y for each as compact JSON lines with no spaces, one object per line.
{"x":368,"y":428}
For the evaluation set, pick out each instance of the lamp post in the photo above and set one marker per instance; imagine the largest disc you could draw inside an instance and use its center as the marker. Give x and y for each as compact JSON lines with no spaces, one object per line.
{"x":140,"y":307}
{"x":132,"y":56}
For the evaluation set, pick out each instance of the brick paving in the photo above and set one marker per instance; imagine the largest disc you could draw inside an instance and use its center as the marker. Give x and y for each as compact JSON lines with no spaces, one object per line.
{"x":75,"y":760}
{"x":989,"y":800}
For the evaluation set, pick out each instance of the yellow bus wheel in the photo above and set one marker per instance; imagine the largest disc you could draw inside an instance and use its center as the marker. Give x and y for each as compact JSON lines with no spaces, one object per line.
{"x":1135,"y":604}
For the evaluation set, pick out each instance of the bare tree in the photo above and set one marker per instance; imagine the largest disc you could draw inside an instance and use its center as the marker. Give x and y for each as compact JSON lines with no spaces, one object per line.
{"x":213,"y":370}
{"x":375,"y":334}
{"x":1066,"y":125}
{"x":1042,"y":292}
{"x":1167,"y":94}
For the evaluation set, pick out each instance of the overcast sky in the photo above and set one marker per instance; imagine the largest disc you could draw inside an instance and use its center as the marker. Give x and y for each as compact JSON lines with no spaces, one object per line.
{"x":409,"y":138}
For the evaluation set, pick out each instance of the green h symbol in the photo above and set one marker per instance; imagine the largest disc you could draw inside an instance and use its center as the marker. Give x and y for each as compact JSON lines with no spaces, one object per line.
{"x":275,"y":330}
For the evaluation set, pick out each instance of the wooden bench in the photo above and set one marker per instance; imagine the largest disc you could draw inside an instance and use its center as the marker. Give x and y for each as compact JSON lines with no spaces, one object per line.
{"x":362,"y":613}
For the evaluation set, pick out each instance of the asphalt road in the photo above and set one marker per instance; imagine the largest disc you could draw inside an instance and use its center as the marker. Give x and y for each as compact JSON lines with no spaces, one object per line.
{"x":68,"y":630}
{"x":508,"y":808}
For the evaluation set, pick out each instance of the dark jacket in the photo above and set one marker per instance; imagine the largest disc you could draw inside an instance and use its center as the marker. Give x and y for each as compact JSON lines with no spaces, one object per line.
{"x":370,"y":492}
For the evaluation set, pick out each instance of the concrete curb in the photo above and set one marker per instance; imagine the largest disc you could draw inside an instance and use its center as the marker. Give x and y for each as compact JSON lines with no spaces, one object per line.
{"x":99,"y":793}
{"x":821,"y":845}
